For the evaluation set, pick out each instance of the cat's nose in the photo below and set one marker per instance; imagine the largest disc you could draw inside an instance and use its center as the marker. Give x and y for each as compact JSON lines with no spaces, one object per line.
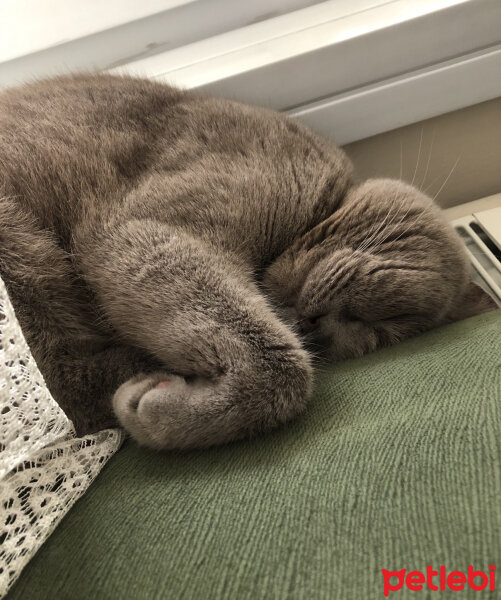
{"x":309,"y":324}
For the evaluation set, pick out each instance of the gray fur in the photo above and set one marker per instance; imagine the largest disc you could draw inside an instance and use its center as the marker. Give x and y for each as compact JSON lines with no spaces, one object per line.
{"x":152,"y":236}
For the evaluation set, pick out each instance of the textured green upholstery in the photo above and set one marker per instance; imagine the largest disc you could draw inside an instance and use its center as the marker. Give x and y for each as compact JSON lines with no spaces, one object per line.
{"x":397,"y":464}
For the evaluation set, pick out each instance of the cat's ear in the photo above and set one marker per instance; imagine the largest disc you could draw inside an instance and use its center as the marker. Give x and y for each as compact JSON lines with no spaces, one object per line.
{"x":474,"y":302}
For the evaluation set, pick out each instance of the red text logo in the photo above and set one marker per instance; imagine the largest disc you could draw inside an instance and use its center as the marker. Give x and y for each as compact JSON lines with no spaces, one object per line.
{"x":439,"y":580}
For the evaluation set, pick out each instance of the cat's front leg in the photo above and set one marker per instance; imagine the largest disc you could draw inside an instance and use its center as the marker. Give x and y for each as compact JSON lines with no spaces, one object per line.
{"x":80,"y":364}
{"x":239,"y":370}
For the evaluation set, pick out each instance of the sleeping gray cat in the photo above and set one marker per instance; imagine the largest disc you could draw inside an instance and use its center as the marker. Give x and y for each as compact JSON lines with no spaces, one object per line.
{"x":171,"y":257}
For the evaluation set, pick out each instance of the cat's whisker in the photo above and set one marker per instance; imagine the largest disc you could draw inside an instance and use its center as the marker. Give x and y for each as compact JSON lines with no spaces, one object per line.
{"x":411,"y":224}
{"x":378,"y":242}
{"x":401,"y":159}
{"x":374,"y":236}
{"x":447,"y":178}
{"x":431,"y":184}
{"x":375,"y":239}
{"x":364,"y":240}
{"x":418,"y":156}
{"x":369,"y":236}
{"x":394,"y":228}
{"x":369,"y":240}
{"x":428,"y":187}
{"x":428,"y":161}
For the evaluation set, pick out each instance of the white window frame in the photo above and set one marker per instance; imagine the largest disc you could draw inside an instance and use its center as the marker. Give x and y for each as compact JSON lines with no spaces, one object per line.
{"x":46,"y":37}
{"x":349,"y":68}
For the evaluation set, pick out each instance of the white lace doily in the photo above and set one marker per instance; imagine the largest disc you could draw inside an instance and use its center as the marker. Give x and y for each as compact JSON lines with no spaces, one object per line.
{"x":44,"y":467}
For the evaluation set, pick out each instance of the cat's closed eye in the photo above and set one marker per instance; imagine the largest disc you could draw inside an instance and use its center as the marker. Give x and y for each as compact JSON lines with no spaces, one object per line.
{"x":309,"y":324}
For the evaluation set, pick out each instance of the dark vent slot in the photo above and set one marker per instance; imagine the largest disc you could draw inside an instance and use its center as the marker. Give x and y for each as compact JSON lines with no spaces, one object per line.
{"x":486,"y":240}
{"x":485,"y":260}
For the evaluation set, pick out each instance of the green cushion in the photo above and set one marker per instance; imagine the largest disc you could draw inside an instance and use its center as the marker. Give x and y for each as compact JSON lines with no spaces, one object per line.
{"x":396,"y":464}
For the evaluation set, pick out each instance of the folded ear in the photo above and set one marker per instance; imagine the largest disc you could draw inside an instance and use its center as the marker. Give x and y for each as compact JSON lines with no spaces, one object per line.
{"x":474,"y":302}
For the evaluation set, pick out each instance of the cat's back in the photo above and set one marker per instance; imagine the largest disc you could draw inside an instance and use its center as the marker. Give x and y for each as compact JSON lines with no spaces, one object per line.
{"x":70,"y":137}
{"x":75,"y":145}
{"x":67,"y":113}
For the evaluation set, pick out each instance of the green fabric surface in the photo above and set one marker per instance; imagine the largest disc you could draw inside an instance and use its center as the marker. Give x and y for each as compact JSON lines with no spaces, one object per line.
{"x":396,"y":464}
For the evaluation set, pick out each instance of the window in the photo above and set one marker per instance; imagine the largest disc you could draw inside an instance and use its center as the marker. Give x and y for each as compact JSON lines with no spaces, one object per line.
{"x":349,"y":68}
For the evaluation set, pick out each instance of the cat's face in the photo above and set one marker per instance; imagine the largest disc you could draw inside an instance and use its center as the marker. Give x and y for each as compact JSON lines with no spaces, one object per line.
{"x":384,"y":267}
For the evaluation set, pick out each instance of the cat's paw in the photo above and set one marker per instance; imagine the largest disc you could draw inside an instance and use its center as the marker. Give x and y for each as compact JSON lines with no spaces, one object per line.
{"x":147,"y":406}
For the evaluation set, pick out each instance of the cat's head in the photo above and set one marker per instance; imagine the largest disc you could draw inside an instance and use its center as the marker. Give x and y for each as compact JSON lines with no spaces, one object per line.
{"x":385,"y":266}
